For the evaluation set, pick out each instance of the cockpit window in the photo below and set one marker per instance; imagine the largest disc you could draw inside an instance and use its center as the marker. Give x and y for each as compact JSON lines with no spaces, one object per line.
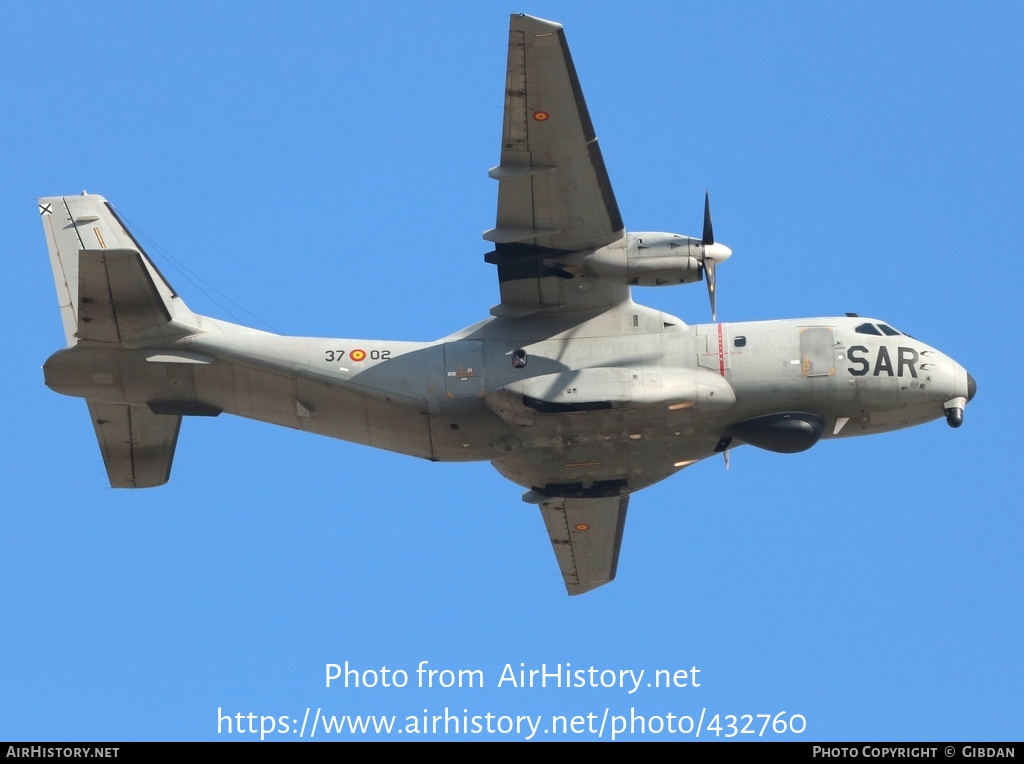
{"x":888,"y":330}
{"x":868,"y":329}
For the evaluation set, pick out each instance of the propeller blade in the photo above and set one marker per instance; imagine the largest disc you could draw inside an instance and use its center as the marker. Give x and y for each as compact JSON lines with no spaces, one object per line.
{"x":711,"y":253}
{"x":709,"y":276}
{"x":709,"y":234}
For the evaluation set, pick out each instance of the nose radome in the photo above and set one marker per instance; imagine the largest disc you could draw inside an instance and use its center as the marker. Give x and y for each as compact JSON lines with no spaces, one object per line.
{"x":972,"y":387}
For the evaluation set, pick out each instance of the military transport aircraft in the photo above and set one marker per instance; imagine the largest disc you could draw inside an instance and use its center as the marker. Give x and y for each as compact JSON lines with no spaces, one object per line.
{"x":569,"y":388}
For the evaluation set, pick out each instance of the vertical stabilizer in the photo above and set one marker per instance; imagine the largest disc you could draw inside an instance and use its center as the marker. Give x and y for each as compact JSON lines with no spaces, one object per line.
{"x":107,"y":288}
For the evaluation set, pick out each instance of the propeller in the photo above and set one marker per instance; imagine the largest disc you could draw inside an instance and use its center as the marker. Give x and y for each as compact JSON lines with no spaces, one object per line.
{"x":711,"y":254}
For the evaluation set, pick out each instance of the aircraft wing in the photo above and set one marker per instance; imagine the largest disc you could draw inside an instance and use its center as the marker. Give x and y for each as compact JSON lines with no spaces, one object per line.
{"x":586,"y":535}
{"x":137,"y":445}
{"x":554,"y":195}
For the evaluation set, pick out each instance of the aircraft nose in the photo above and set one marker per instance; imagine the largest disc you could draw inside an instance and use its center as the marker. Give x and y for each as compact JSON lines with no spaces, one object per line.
{"x":954,"y":407}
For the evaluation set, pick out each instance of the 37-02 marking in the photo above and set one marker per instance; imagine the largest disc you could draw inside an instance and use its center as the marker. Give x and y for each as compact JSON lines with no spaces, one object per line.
{"x":357,"y":354}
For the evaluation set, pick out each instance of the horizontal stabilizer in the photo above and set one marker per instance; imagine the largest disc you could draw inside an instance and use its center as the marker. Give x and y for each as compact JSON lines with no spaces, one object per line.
{"x":137,"y":445}
{"x":118,"y":301}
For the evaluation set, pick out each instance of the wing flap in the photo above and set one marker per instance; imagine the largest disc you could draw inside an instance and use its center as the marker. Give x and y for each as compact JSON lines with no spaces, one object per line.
{"x":137,"y":445}
{"x":586,"y":535}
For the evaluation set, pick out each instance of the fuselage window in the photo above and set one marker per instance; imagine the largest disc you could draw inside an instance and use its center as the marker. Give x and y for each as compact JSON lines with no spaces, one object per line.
{"x":519,"y":358}
{"x":740,"y":342}
{"x":868,"y":329}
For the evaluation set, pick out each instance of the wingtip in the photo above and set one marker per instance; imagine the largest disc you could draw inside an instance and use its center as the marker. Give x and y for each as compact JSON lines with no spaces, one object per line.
{"x":582,"y":588}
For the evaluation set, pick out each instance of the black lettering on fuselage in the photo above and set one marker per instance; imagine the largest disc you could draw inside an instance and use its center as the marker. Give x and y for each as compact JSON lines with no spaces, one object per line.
{"x":906,"y":358}
{"x":864,"y":365}
{"x":882,"y":362}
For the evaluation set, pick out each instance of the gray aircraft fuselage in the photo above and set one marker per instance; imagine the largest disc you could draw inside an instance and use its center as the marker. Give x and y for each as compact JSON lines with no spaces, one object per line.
{"x":630,"y":393}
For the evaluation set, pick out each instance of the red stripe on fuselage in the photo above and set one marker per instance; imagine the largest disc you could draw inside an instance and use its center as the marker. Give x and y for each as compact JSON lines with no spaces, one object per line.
{"x":721,"y":352}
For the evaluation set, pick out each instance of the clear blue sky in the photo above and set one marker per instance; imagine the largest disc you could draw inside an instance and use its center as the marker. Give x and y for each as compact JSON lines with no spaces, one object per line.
{"x":324,"y":166}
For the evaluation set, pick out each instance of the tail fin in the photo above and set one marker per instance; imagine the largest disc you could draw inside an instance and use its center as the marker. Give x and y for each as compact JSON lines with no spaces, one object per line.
{"x":107,"y":288}
{"x":111,"y":293}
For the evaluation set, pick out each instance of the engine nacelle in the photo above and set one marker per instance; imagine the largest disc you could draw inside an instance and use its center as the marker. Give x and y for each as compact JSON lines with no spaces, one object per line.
{"x":647,"y":259}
